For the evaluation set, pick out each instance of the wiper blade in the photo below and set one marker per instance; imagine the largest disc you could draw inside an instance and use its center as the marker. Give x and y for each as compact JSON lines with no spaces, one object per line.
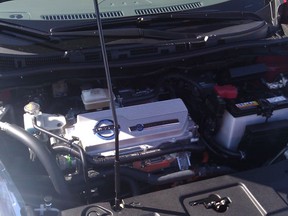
{"x":209,"y":15}
{"x":165,"y":17}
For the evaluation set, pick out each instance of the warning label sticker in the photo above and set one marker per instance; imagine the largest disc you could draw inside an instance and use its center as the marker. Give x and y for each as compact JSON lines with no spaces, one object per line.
{"x":277,"y":99}
{"x":247,"y":105}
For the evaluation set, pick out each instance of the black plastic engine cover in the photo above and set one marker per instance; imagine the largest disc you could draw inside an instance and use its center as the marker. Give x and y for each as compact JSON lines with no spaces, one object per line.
{"x":256,"y":192}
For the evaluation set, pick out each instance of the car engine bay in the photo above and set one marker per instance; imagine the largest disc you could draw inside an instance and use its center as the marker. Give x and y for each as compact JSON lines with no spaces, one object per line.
{"x":177,"y":124}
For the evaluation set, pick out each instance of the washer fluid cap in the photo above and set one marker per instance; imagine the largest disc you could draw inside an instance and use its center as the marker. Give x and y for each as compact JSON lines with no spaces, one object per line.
{"x":226,"y":91}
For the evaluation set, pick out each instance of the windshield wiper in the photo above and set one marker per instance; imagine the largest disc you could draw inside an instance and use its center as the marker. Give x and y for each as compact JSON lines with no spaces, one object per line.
{"x":138,"y":27}
{"x":126,"y":33}
{"x":123,"y":32}
{"x":210,"y":15}
{"x":25,"y":31}
{"x":165,"y":17}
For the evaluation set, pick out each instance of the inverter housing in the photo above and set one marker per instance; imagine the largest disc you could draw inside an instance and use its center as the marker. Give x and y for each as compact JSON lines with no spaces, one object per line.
{"x":141,"y":127}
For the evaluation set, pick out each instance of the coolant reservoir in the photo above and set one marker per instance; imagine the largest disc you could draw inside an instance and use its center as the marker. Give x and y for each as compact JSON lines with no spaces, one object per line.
{"x":51,"y":122}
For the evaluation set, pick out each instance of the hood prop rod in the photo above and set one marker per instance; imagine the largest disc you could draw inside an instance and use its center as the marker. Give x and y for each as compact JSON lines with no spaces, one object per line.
{"x":118,"y":201}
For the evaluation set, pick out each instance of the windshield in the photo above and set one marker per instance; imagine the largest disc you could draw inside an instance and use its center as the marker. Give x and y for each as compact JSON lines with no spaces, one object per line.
{"x":63,"y":10}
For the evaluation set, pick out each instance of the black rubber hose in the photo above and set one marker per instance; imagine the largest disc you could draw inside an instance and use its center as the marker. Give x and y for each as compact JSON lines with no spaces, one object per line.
{"x":108,"y":161}
{"x":216,"y":148}
{"x":43,"y":154}
{"x":64,"y":149}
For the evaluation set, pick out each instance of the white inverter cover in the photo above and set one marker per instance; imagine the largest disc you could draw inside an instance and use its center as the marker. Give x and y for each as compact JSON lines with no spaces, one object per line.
{"x":147,"y":125}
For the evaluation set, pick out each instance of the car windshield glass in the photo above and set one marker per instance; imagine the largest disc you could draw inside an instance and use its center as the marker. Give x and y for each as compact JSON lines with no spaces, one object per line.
{"x":67,"y":10}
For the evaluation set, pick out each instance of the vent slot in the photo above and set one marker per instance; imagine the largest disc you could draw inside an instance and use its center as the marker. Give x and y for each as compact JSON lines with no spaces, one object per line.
{"x":169,"y":8}
{"x":83,"y":16}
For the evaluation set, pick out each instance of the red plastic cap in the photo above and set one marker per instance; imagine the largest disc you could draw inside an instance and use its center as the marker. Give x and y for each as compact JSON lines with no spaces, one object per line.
{"x":226,"y":91}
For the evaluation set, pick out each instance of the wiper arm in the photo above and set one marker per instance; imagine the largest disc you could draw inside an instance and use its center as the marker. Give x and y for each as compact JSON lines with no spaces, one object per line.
{"x":125,"y":33}
{"x":25,"y":30}
{"x":74,"y":28}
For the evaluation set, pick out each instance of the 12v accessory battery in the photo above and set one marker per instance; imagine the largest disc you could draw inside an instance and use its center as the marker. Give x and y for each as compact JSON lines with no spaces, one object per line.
{"x":240,"y":113}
